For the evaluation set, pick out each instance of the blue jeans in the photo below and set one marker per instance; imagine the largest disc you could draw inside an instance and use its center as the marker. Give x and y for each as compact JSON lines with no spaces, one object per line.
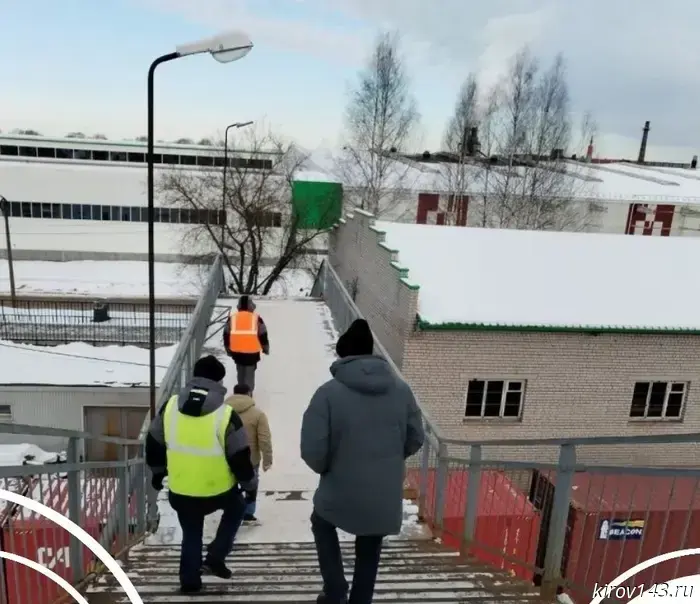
{"x":192,"y":524}
{"x":252,"y":497}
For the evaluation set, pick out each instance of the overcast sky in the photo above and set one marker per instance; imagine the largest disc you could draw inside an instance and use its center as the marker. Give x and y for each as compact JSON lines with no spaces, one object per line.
{"x":80,"y":65}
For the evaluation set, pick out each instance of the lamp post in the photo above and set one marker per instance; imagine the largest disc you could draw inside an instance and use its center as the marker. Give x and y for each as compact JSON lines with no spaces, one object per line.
{"x":223,"y":193}
{"x":5,"y":209}
{"x":225,"y":48}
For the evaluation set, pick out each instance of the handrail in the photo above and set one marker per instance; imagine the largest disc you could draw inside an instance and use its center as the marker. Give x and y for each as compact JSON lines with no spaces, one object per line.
{"x":48,"y":431}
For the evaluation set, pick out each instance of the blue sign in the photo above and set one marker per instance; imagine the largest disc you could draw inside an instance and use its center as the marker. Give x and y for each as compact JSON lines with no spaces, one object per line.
{"x":616,"y":530}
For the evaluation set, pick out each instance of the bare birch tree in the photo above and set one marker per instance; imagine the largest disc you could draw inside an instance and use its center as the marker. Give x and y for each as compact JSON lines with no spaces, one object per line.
{"x":459,"y":176}
{"x":381,"y":117}
{"x":530,"y":186}
{"x":262,"y":235}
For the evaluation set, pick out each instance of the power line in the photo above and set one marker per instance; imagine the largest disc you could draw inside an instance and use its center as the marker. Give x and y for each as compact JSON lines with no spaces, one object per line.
{"x":78,"y":356}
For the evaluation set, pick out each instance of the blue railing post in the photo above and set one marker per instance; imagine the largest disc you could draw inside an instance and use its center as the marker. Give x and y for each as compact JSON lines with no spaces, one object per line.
{"x":559,"y":520}
{"x":471,"y":509}
{"x":74,"y":507}
{"x":123,"y":496}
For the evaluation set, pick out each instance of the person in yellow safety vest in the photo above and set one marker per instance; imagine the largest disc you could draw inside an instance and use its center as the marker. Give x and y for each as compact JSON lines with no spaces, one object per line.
{"x":245,"y":337}
{"x":201,"y":445}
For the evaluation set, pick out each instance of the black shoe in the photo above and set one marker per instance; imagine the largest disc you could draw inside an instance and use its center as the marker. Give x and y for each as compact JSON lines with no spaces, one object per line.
{"x":218,"y":569}
{"x":190,"y":589}
{"x":249,"y":518}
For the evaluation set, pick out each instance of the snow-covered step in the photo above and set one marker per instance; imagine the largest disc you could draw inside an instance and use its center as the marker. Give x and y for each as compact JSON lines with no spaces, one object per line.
{"x":410,"y":572}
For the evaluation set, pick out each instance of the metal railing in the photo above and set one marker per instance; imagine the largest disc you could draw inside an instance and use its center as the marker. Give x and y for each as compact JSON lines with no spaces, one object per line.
{"x":112,"y":500}
{"x":51,"y":323}
{"x":566,"y":526}
{"x":88,"y":493}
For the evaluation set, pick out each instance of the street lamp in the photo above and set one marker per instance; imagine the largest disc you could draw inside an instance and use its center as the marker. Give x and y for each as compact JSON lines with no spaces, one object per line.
{"x":225,"y":48}
{"x":5,"y":209}
{"x":223,"y":194}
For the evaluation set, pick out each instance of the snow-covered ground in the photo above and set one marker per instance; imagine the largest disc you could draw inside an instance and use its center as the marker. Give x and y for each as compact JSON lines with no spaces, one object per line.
{"x":302,"y":347}
{"x":124,"y":279}
{"x":26,"y":454}
{"x":80,"y":364}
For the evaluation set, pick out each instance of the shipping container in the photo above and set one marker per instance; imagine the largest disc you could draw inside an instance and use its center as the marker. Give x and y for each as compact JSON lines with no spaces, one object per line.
{"x":506,"y":520}
{"x":32,"y":536}
{"x":618,"y":521}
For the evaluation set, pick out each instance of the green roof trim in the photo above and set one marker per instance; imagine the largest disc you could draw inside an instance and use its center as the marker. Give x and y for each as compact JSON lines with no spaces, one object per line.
{"x":407,"y":283}
{"x":403,"y":272}
{"x":589,"y":329}
{"x":386,"y":247}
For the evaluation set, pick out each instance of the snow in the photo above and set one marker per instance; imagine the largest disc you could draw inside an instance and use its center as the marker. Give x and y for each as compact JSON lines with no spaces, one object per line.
{"x":79,"y":364}
{"x":129,"y":279}
{"x":96,"y":278}
{"x":26,"y":454}
{"x":302,"y":340}
{"x":536,"y":278}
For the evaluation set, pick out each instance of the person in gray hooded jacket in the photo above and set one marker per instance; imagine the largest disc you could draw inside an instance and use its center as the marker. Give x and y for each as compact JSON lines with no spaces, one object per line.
{"x":356,"y":433}
{"x":204,"y":394}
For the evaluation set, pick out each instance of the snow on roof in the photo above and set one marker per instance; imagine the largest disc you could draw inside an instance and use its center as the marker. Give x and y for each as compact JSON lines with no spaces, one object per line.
{"x":103,"y":278}
{"x":19,"y":455}
{"x":494,"y":277}
{"x":79,"y":364}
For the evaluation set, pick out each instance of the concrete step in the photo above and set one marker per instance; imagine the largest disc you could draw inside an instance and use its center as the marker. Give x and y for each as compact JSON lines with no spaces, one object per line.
{"x":411,"y":572}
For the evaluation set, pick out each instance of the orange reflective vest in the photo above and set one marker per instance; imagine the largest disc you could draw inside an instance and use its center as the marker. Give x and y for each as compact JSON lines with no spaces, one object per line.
{"x":244,"y":332}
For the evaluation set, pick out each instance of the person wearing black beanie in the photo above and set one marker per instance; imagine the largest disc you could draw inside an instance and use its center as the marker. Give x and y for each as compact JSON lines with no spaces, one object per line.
{"x":200,"y":485}
{"x":356,"y":434}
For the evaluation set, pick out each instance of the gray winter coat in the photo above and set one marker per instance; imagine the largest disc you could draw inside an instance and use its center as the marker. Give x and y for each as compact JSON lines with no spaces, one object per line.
{"x":356,"y":433}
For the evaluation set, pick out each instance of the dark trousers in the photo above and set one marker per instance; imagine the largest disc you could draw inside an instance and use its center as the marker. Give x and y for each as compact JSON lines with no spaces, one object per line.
{"x":192,"y":524}
{"x":246,"y":375}
{"x":368,"y":551}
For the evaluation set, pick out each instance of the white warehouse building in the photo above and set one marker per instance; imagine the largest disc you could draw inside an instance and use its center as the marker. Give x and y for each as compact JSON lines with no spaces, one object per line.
{"x":79,"y":199}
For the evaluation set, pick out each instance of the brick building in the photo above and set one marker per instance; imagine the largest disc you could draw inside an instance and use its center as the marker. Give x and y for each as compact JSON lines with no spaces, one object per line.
{"x":524,"y":334}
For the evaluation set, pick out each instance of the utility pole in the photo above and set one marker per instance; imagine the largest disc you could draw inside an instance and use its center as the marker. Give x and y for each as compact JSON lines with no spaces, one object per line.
{"x":5,"y":208}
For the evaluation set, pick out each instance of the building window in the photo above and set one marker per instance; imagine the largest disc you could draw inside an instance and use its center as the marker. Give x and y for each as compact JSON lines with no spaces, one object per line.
{"x":137,"y":157}
{"x":116,"y":213}
{"x":26,"y":209}
{"x":36,"y":210}
{"x":100,"y":155}
{"x":82,"y":154}
{"x":265,"y":219}
{"x":9,"y":150}
{"x":117,"y":156}
{"x":49,"y":152}
{"x":27,"y":151}
{"x":5,"y":413}
{"x":64,"y":153}
{"x":658,"y":400}
{"x":188,"y":160}
{"x":56,"y":211}
{"x":171,"y":159}
{"x":46,"y":210}
{"x":16,"y":209}
{"x":495,"y":398}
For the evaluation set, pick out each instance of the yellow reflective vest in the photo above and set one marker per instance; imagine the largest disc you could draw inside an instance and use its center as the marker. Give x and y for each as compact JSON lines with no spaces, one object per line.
{"x":196,"y":451}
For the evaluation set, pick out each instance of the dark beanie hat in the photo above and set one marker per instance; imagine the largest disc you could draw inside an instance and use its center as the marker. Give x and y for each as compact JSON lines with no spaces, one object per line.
{"x":210,"y":368}
{"x":356,"y":341}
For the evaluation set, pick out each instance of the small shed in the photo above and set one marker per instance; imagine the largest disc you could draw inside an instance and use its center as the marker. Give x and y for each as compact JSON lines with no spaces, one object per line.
{"x":619,"y":520}
{"x":507,"y":522}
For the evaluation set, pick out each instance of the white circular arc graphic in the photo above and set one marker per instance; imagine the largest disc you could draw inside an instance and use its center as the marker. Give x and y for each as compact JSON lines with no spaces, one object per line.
{"x":60,"y":581}
{"x":682,"y":553}
{"x":82,"y":536}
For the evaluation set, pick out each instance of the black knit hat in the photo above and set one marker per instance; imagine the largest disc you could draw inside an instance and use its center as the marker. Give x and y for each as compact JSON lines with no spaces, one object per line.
{"x":356,"y":341}
{"x":210,"y":368}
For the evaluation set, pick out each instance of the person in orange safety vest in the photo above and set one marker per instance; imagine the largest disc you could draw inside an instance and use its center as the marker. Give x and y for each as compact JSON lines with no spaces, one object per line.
{"x":245,"y":337}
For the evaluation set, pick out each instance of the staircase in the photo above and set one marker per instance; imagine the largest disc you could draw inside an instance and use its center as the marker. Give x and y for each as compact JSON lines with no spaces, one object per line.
{"x":411,"y":572}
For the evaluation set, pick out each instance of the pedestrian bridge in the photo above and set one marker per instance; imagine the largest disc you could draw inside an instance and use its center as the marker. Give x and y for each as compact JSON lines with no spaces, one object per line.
{"x":489,"y":532}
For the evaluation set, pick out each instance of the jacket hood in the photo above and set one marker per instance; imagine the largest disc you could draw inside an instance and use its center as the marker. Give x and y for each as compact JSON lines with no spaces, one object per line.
{"x":245,"y":303}
{"x":201,"y":397}
{"x":367,"y":374}
{"x":240,"y":402}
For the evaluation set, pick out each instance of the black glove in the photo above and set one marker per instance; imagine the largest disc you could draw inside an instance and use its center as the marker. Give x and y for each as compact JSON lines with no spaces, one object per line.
{"x":157,"y":481}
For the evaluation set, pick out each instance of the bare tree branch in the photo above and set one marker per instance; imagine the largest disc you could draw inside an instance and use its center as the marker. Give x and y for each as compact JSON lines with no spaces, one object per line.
{"x":259,"y":232}
{"x":380,"y":119}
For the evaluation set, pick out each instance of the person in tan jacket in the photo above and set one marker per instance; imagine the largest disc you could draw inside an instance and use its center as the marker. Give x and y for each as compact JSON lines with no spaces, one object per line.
{"x":259,"y":438}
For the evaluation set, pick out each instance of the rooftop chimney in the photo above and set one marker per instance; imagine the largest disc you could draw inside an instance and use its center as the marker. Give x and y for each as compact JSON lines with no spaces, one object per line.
{"x":643,"y":146}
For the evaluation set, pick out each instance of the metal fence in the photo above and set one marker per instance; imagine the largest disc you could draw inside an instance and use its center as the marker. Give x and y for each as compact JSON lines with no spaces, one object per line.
{"x":100,"y":323}
{"x":107,"y":499}
{"x":565,"y":526}
{"x":113,"y":501}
